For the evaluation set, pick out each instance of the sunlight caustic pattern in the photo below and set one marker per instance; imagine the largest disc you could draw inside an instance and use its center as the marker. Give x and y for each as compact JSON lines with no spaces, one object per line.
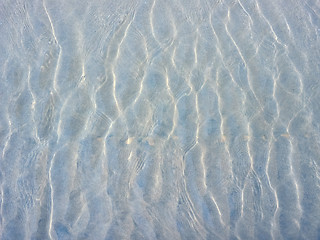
{"x":159,"y":119}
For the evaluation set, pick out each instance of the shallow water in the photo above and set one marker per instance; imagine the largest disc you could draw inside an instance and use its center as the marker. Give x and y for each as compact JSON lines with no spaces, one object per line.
{"x":156,"y":119}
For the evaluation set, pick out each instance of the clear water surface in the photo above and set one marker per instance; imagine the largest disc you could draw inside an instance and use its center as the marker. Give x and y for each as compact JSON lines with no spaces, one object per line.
{"x":158,"y":119}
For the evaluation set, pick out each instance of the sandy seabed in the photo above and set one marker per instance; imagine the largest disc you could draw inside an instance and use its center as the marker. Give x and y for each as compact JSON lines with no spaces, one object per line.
{"x":156,"y":119}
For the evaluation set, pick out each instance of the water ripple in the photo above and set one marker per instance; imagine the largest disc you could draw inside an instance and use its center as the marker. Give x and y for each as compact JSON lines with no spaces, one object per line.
{"x":159,"y":119}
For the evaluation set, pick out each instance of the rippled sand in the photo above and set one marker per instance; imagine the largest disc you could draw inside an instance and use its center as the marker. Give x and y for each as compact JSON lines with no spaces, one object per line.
{"x":158,"y":119}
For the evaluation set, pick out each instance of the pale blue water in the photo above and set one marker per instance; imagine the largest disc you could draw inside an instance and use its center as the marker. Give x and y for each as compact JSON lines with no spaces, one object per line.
{"x":160,"y":119}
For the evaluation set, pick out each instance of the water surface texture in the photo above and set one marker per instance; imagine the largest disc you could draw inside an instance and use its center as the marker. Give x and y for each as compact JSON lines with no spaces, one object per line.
{"x":160,"y":119}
